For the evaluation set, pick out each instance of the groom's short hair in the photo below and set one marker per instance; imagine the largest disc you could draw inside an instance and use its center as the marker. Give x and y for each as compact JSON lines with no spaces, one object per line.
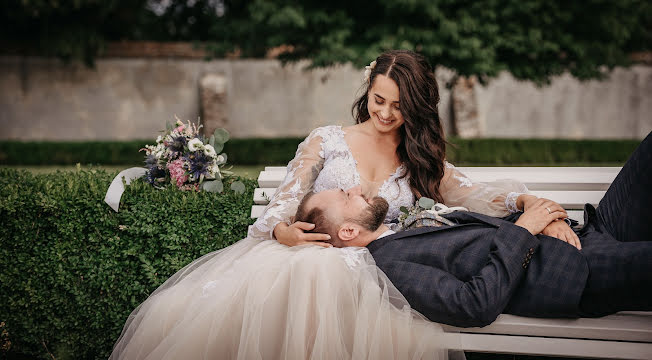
{"x":317,"y":216}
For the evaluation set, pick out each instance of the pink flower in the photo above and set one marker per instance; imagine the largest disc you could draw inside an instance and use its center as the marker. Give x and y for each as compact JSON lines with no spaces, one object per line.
{"x":180,"y":128}
{"x":177,"y":172}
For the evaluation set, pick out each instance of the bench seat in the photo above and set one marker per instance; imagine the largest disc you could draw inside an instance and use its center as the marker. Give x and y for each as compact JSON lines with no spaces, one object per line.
{"x":625,"y":335}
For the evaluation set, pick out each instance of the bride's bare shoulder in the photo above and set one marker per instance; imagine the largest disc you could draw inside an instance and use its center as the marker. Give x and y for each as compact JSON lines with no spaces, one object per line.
{"x":356,"y":130}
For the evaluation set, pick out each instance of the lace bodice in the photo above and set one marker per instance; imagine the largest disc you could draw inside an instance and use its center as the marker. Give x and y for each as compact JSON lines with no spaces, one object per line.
{"x":324,"y":161}
{"x":341,"y":172}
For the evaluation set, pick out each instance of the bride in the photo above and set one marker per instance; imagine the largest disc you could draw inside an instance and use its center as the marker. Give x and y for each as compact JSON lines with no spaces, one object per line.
{"x":267,"y":298}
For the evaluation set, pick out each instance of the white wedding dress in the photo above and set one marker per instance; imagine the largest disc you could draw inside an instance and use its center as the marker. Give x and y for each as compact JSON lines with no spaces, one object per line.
{"x":259,"y":299}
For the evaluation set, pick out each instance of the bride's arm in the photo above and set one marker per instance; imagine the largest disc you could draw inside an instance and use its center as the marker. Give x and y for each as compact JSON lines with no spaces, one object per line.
{"x":301,"y":174}
{"x":495,"y":199}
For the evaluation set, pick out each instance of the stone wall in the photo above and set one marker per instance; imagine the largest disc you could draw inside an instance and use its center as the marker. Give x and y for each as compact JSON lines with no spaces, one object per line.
{"x":618,"y":107}
{"x":42,"y":99}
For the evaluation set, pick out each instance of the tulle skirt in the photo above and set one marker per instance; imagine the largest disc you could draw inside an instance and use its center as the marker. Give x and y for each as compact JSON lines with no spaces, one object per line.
{"x":258,"y":299}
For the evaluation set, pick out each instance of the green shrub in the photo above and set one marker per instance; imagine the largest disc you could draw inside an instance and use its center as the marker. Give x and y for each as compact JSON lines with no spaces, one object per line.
{"x":73,"y":269}
{"x":71,"y":152}
{"x":488,"y":152}
{"x":278,"y":151}
{"x":540,"y":152}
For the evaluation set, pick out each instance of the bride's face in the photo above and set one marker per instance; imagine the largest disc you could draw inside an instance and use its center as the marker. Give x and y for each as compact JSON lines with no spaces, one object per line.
{"x":383,"y":105}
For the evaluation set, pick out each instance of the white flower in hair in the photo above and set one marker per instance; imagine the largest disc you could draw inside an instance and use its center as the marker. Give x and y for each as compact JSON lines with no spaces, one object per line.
{"x":368,"y":69}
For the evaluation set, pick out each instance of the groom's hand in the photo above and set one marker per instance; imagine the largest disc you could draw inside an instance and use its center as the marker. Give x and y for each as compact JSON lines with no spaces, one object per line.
{"x":563,"y":232}
{"x":295,"y":234}
{"x":540,"y":214}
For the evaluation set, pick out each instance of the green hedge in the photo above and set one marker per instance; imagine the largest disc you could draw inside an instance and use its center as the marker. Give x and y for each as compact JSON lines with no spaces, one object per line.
{"x":239,"y":151}
{"x":540,"y":152}
{"x":489,"y":152}
{"x":70,"y":153}
{"x":73,"y":269}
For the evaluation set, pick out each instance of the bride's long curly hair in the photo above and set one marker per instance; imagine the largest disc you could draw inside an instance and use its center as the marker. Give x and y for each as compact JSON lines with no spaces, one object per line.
{"x":422,"y":149}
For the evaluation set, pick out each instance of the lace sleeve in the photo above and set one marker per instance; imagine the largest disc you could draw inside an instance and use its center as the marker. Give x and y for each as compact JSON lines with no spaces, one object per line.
{"x":301,"y":174}
{"x":493,"y":199}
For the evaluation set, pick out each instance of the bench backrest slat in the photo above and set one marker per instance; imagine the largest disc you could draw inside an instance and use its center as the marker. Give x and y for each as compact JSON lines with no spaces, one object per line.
{"x":571,"y":187}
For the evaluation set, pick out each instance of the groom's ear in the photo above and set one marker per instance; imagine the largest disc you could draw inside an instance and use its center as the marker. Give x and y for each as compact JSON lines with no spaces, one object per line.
{"x":348,"y":231}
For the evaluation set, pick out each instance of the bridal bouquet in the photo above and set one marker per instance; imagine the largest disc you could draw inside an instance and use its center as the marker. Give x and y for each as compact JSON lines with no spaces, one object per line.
{"x":183,"y":157}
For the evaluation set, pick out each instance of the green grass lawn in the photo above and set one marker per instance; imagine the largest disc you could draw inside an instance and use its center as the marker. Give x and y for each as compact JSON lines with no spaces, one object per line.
{"x":248,"y":171}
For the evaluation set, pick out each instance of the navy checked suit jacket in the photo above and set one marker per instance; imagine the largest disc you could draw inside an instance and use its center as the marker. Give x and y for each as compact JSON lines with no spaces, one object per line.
{"x":468,"y":274}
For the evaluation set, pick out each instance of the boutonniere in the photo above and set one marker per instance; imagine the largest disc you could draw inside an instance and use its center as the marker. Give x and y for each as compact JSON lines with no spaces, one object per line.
{"x":425,"y":212}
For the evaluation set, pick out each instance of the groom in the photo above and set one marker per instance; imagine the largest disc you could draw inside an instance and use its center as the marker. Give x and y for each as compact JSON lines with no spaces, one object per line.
{"x":468,"y":273}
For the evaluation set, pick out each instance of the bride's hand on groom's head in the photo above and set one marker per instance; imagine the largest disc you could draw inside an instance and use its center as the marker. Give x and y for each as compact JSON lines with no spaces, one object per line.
{"x":296,"y":234}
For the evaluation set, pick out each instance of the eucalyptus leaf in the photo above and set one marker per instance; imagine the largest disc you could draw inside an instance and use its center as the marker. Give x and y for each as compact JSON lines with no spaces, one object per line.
{"x":221,"y":136}
{"x":426,"y":203}
{"x":215,"y":186}
{"x":218,"y":147}
{"x":211,"y":141}
{"x":404,"y":209}
{"x":238,"y":187}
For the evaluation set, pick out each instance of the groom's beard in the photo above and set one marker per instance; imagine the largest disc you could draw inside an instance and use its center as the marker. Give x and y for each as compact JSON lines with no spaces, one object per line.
{"x":374,"y":215}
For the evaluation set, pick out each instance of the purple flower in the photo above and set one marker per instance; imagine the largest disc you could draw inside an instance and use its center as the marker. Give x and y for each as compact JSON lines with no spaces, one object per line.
{"x":151,"y":161}
{"x":155,"y":175}
{"x":176,"y":146}
{"x":199,"y":164}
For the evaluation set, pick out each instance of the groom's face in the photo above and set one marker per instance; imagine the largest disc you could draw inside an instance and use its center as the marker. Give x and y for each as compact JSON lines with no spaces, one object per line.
{"x":341,"y":206}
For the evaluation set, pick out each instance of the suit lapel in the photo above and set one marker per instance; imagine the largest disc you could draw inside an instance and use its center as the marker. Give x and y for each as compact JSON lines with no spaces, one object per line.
{"x":462,"y":217}
{"x":459,"y":217}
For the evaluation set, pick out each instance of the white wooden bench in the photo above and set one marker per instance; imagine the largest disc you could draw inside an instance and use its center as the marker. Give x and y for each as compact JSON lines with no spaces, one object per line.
{"x":625,"y":335}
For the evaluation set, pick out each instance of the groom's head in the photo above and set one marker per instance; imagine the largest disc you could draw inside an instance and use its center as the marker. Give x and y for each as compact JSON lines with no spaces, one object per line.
{"x":348,"y":217}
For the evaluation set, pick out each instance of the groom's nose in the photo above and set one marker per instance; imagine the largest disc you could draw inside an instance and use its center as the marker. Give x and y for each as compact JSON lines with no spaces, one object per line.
{"x":354,"y":191}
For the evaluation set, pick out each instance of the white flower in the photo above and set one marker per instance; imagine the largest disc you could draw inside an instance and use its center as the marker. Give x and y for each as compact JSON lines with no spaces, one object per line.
{"x":368,"y":69}
{"x":220,"y":160}
{"x":195,"y":144}
{"x":215,"y":171}
{"x":159,"y":139}
{"x":209,"y":151}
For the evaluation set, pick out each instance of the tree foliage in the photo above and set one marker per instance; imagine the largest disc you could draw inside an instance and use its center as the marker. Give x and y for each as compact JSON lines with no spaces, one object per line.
{"x":533,"y":39}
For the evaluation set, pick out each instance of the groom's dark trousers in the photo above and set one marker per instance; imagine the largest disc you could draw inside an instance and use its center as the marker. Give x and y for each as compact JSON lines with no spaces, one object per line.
{"x":469,"y":273}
